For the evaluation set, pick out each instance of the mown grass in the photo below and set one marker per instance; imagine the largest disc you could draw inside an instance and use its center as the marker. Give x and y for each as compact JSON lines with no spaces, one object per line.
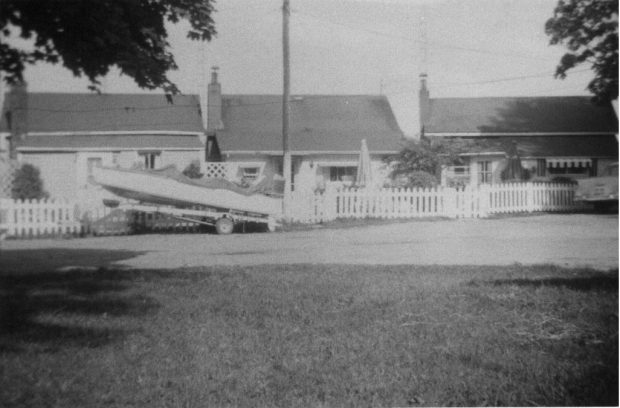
{"x":306,"y":335}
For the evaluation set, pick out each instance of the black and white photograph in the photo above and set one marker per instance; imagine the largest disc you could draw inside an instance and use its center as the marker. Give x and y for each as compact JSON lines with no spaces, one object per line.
{"x":308,"y":203}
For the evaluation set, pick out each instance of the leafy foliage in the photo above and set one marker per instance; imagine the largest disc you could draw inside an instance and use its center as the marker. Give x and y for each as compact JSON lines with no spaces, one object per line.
{"x":416,"y":178}
{"x":419,"y":163}
{"x":27,"y":184}
{"x":193,"y":170}
{"x":90,"y":36}
{"x":589,"y":29}
{"x":416,"y":156}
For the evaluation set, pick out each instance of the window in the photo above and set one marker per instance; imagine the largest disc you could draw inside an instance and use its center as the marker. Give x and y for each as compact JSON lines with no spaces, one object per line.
{"x":485,"y":175}
{"x":250,"y":173}
{"x":91,"y":163}
{"x":151,"y":159}
{"x":341,"y":173}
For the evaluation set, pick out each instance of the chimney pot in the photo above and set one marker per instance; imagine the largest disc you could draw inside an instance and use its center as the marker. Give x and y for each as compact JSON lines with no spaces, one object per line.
{"x":214,"y":70}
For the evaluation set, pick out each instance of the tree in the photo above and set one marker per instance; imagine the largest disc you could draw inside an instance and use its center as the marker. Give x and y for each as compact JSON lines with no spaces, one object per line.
{"x":27,"y":184}
{"x":90,"y":36}
{"x":589,"y":29}
{"x":429,"y":156}
{"x":419,"y":162}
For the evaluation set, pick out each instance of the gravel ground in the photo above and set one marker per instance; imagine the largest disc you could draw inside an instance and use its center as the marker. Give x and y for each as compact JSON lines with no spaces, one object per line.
{"x":573,"y":240}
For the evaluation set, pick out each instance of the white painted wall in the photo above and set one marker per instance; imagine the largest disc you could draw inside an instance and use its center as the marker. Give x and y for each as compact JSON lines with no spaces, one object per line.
{"x":602,"y":165}
{"x":58,"y":172}
{"x":312,"y":171}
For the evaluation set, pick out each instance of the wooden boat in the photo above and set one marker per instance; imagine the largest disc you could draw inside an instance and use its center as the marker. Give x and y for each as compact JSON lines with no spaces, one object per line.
{"x":170,"y":187}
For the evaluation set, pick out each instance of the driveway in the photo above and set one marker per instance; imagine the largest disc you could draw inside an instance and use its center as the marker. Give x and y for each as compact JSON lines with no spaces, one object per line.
{"x":573,"y":240}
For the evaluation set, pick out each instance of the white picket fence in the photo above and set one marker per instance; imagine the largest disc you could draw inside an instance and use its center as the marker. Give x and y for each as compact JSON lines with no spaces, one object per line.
{"x":24,"y":219}
{"x":34,"y":218}
{"x":468,"y":202}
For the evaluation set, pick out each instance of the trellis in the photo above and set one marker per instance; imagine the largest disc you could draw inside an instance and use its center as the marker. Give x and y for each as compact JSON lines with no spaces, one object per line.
{"x":8,"y":168}
{"x":217,"y":170}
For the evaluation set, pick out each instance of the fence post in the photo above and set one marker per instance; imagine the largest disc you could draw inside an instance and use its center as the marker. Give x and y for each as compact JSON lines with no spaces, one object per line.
{"x":484,"y":205}
{"x":529,"y":188}
{"x":449,"y":201}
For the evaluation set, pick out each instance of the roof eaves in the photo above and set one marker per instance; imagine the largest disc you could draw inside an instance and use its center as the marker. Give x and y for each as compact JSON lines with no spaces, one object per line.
{"x":101,"y":149}
{"x":483,"y":134}
{"x":306,"y":152}
{"x":117,"y":132}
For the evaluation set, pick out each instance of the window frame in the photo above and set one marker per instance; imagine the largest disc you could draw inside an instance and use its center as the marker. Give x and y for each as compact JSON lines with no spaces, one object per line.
{"x":337,"y":173}
{"x":90,"y":165}
{"x":250,"y":173}
{"x":485,"y":171}
{"x":150,"y":159}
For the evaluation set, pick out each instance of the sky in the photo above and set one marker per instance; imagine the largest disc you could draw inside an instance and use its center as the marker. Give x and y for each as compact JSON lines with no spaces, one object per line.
{"x":468,"y":48}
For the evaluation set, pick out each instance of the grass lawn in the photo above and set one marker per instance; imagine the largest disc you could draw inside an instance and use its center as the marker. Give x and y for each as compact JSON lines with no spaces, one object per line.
{"x":306,"y":335}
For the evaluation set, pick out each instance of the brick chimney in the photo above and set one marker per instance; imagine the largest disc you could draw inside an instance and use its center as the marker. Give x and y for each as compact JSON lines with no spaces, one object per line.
{"x":214,"y":104}
{"x":425,"y":104}
{"x":17,"y":115}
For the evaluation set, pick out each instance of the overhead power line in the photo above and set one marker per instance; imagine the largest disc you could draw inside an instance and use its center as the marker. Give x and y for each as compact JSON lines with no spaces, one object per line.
{"x":506,"y":79}
{"x":418,"y":41}
{"x":446,"y":85}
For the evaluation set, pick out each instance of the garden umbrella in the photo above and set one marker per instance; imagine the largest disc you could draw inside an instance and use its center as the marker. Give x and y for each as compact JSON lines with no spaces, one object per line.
{"x":364,"y":170}
{"x":513,"y":170}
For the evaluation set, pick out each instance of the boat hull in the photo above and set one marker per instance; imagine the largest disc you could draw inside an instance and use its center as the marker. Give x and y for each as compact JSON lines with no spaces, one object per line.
{"x":159,"y":189}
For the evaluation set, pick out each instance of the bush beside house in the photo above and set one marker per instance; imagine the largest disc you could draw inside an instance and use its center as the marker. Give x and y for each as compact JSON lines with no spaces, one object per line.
{"x":193,"y":170}
{"x":27,"y":184}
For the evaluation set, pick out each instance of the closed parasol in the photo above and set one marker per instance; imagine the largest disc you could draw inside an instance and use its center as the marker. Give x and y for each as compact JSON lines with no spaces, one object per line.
{"x":364,"y":169}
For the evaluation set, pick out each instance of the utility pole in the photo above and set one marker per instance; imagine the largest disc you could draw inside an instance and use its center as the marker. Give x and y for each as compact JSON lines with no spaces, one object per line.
{"x":286,"y":159}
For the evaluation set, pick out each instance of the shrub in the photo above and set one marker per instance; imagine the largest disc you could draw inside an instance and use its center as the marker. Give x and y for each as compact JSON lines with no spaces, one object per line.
{"x":27,"y":184}
{"x":419,"y":179}
{"x":193,"y":170}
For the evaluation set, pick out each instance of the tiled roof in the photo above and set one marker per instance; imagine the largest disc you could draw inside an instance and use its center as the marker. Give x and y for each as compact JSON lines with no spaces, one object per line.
{"x":143,"y":141}
{"x":566,"y":114}
{"x":317,"y":123}
{"x":58,"y":112}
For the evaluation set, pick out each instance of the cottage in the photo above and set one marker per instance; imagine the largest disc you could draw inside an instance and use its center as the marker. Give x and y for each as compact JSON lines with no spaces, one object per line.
{"x":67,"y":135}
{"x":325,"y":135}
{"x":552,"y":137}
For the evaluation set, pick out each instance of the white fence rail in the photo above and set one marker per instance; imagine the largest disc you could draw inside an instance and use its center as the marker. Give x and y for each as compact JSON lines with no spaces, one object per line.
{"x":23,"y":219}
{"x":34,"y":218}
{"x":468,"y":202}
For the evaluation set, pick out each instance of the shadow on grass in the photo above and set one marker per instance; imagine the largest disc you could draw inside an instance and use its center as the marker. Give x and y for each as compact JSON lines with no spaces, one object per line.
{"x":80,"y":307}
{"x":601,"y":282}
{"x":29,"y":261}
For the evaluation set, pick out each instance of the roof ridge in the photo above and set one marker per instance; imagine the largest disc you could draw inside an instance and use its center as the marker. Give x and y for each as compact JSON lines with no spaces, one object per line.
{"x":515,"y":97}
{"x":104,"y":94}
{"x":311,"y":95}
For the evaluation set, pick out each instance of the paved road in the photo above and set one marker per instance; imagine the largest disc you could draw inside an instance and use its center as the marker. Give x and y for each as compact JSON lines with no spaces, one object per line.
{"x":567,"y":240}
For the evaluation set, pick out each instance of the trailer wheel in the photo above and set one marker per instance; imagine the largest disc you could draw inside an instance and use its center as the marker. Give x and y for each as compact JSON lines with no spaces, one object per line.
{"x":224,"y":226}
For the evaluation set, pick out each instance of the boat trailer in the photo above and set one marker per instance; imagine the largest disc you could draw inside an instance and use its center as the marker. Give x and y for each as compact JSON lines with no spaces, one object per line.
{"x":224,"y":220}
